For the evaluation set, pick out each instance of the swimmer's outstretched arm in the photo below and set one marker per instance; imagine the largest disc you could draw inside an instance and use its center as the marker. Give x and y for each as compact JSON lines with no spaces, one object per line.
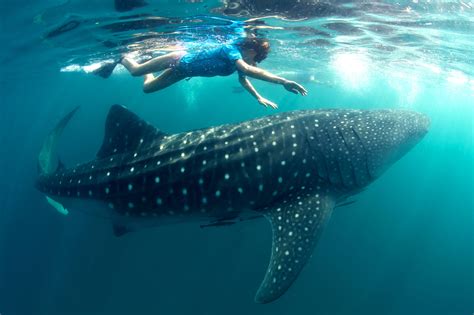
{"x":251,"y":89}
{"x":264,"y":75}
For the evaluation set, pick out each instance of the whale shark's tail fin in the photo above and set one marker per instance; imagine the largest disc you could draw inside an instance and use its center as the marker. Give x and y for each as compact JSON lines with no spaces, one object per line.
{"x":48,"y":161}
{"x":295,"y":234}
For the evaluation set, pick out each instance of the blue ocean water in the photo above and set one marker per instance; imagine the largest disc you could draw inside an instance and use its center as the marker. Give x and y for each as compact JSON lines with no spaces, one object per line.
{"x":405,"y":246}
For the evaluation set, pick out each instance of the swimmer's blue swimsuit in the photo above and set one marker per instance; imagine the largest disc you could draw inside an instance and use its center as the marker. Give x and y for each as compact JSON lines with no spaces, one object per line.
{"x":210,"y":62}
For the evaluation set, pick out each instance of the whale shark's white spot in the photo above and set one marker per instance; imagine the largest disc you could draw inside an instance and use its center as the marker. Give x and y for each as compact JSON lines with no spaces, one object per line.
{"x":240,"y":190}
{"x":280,"y":180}
{"x":201,"y":181}
{"x":218,"y":193}
{"x":130,"y":187}
{"x":260,"y":187}
{"x":157,"y":179}
{"x":308,"y":174}
{"x":283,"y":163}
{"x":242,"y":164}
{"x":143,"y":214}
{"x":135,"y":154}
{"x":186,"y":208}
{"x":226,"y":176}
{"x":108,"y":174}
{"x":107,"y":190}
{"x":259,"y":167}
{"x":287,"y":253}
{"x":185,"y":191}
{"x":159,"y":201}
{"x":205,"y":148}
{"x":131,"y":205}
{"x":183,"y":169}
{"x":256,"y":149}
{"x":183,"y":155}
{"x":111,"y":205}
{"x":226,"y":156}
{"x":90,"y":192}
{"x":204,"y":162}
{"x":158,"y":162}
{"x":204,"y":200}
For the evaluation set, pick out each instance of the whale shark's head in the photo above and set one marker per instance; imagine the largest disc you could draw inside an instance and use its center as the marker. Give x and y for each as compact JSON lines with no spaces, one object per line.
{"x":353,"y":147}
{"x":388,"y":135}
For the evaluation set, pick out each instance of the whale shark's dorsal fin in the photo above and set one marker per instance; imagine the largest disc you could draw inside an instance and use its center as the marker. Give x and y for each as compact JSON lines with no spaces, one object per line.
{"x":296,"y":224}
{"x":126,"y":132}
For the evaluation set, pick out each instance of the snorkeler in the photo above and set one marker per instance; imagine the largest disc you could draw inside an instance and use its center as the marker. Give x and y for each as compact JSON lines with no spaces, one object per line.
{"x":240,"y":52}
{"x":221,"y":61}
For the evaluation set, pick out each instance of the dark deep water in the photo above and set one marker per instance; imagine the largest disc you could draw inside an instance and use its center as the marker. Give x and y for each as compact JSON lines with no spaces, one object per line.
{"x":406,"y":245}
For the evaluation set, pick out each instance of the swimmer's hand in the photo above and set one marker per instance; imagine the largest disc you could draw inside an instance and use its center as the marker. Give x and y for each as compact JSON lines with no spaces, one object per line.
{"x":294,"y":87}
{"x":267,"y":103}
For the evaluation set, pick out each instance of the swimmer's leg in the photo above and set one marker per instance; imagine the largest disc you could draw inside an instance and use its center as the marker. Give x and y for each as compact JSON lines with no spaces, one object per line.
{"x":165,"y":79}
{"x":154,"y":65}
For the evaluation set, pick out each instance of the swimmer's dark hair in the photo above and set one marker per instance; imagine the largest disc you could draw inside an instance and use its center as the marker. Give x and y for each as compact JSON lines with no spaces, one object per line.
{"x":261,"y":46}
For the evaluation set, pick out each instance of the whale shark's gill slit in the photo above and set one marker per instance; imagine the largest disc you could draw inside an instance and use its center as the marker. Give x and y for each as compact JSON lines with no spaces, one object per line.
{"x":332,"y":172}
{"x":366,"y":162}
{"x":350,"y":150}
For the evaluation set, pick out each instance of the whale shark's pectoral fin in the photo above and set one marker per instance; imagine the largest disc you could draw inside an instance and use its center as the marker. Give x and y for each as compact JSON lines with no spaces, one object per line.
{"x":296,"y":225}
{"x":56,"y":205}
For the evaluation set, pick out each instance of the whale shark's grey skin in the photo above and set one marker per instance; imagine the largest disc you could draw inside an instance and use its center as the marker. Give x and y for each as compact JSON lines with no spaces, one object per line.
{"x":292,"y":168}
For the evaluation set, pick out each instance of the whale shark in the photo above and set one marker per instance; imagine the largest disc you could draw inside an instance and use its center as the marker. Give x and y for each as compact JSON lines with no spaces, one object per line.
{"x":291,"y":168}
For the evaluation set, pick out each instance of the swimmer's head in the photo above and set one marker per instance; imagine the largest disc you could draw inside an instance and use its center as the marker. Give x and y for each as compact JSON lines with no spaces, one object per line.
{"x":255,"y":49}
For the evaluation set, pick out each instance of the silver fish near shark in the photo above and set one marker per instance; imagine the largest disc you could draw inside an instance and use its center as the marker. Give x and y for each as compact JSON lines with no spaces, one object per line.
{"x":292,"y":168}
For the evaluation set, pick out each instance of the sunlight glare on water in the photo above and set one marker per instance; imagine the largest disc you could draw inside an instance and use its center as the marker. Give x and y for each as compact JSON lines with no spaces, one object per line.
{"x":353,"y":69}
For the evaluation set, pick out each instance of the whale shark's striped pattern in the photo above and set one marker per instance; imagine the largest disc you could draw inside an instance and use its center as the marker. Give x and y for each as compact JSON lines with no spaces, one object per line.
{"x":293,"y":168}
